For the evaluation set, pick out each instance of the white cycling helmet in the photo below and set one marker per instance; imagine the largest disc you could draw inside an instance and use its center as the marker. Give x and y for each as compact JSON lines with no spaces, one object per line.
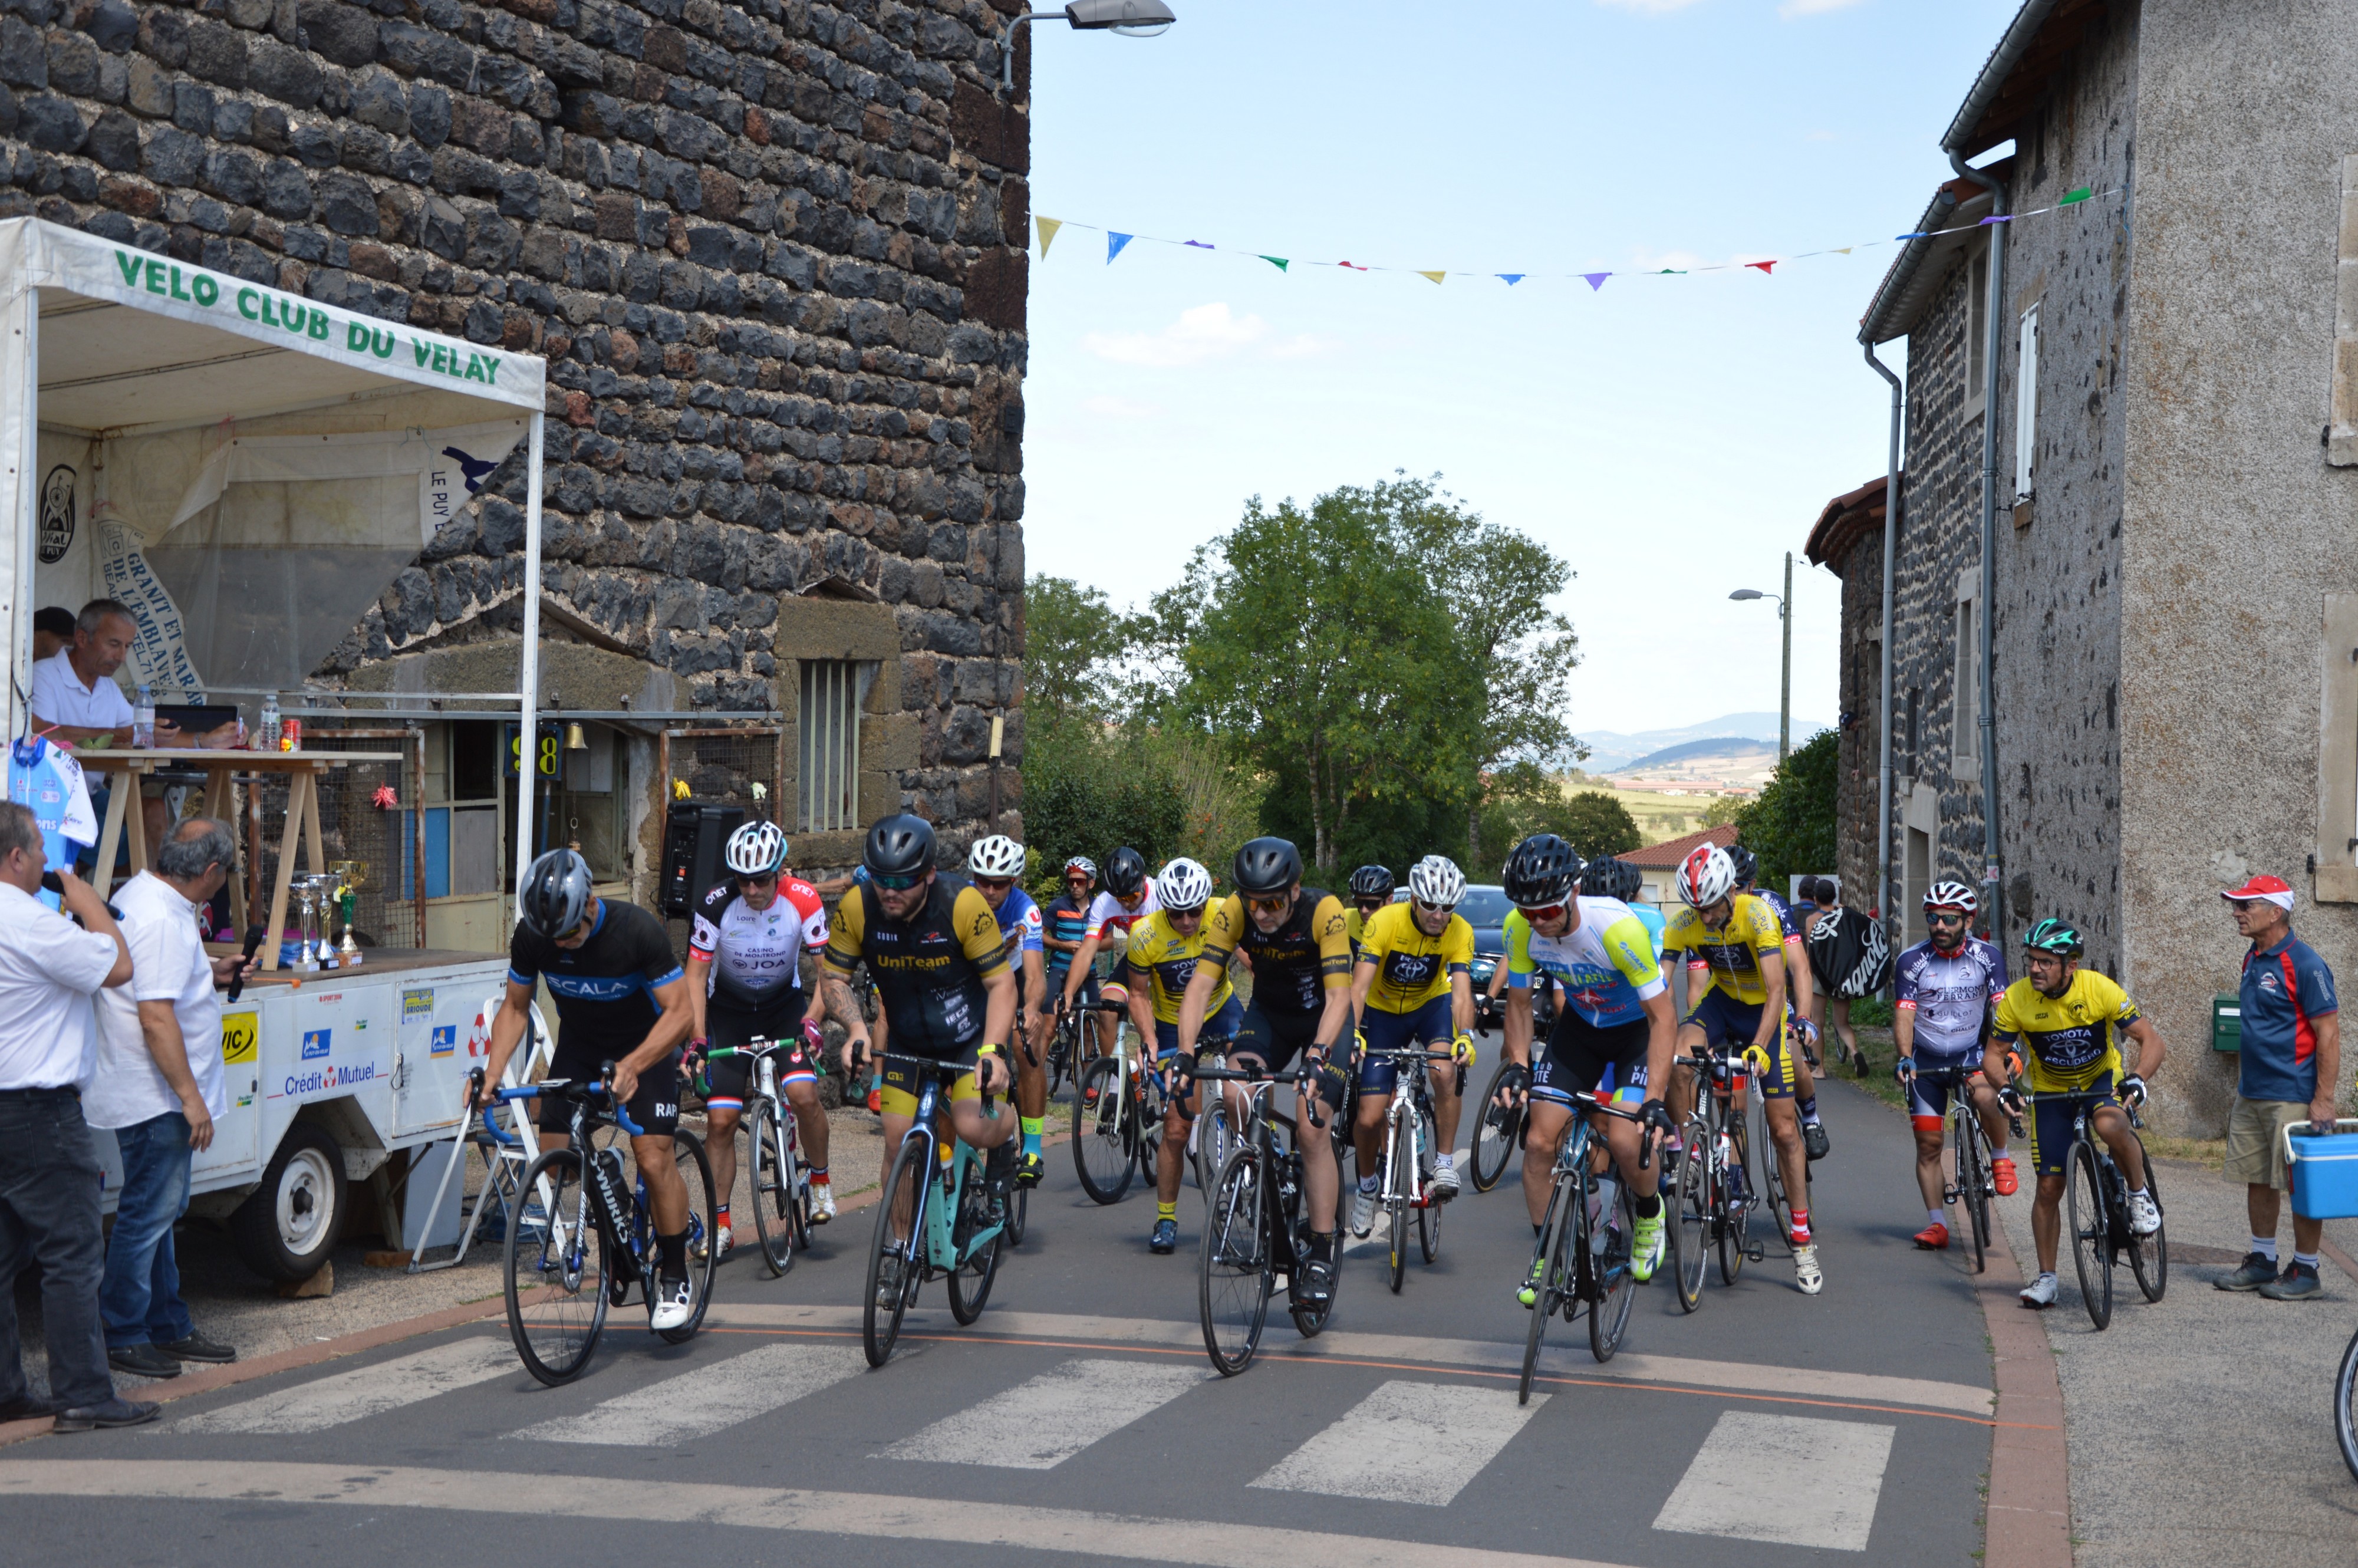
{"x":756,"y":849}
{"x":1183,"y":886}
{"x":1706,"y":876}
{"x":997,"y":856}
{"x":1436,"y":880}
{"x":1950,"y":895}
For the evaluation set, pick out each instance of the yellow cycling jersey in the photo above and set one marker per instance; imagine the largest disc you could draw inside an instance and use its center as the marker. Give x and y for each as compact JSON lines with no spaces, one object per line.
{"x":1733,"y":951}
{"x":1411,"y":968}
{"x":2073,"y":1038}
{"x":1168,"y":960}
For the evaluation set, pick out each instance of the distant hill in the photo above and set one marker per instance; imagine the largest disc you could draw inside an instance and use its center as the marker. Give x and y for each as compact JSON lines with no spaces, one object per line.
{"x":1613,"y":752}
{"x":1734,"y":747}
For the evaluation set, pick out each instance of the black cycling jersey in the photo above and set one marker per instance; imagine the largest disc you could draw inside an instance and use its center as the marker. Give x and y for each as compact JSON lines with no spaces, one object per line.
{"x":929,"y":970}
{"x":1293,"y":963}
{"x":604,"y":989}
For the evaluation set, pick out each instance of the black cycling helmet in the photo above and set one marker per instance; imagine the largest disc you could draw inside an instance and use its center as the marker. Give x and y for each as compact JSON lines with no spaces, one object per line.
{"x":1125,"y":872}
{"x":1608,"y":878}
{"x":556,"y":893}
{"x":1747,"y":863}
{"x":900,"y":847}
{"x":1544,"y":870}
{"x":1267,"y":866}
{"x":1371,"y":881}
{"x":2052,"y":936}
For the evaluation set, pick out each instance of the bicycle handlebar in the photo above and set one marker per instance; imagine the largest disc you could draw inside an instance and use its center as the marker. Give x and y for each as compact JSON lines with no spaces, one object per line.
{"x":569,"y":1088}
{"x":953,"y":1070}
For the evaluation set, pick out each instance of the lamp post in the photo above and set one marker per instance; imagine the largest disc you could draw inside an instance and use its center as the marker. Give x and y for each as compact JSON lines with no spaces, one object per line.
{"x":1785,"y":692}
{"x":1130,"y":18}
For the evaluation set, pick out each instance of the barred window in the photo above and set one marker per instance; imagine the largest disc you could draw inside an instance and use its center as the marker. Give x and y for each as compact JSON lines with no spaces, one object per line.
{"x":833,"y":693}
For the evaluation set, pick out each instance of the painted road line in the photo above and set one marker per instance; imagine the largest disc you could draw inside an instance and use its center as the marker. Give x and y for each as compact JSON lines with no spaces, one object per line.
{"x":1040,"y":1424}
{"x":1864,"y":1388}
{"x":1406,"y":1442}
{"x":696,"y":1404}
{"x":866,"y":1517}
{"x":1722,"y":1492}
{"x":366,"y":1391}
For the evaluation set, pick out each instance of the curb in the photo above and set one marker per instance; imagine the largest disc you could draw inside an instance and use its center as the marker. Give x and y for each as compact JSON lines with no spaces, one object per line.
{"x":2027,"y":1520}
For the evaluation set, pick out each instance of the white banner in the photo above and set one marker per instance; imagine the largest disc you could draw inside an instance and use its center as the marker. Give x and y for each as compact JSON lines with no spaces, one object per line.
{"x":159,"y":656}
{"x":448,"y":464}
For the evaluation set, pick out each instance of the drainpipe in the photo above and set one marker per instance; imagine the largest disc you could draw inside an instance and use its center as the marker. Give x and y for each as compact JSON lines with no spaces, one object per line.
{"x":1997,"y":187}
{"x":1884,"y":901}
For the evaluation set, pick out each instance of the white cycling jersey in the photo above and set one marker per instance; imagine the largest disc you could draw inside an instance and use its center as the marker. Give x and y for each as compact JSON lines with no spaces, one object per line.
{"x":756,"y":954}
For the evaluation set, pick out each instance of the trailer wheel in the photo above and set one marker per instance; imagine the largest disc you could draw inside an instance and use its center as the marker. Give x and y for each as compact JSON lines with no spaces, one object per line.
{"x":285,"y":1230}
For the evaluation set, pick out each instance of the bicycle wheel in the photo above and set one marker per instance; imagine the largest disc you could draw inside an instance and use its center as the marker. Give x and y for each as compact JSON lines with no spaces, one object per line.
{"x":1733,"y":1197}
{"x":770,"y":1172}
{"x":555,"y":1271}
{"x":893,"y":1260}
{"x":703,"y":1259}
{"x":1554,"y":1289}
{"x":1214,"y":1139}
{"x":1499,"y":1131}
{"x":1236,"y":1268}
{"x":1973,"y":1184}
{"x":970,"y":1282}
{"x":2345,"y":1407}
{"x":1401,"y":1160}
{"x":1103,"y":1150}
{"x":2149,"y":1255}
{"x":1616,"y":1288}
{"x":1691,"y":1226}
{"x":2092,"y":1241}
{"x":1146,"y":1106}
{"x":1428,"y":1217}
{"x":1019,"y":1213}
{"x":1773,"y":1175}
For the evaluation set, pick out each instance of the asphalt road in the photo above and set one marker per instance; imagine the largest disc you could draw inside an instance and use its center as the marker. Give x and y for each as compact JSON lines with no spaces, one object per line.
{"x":1081,"y":1416}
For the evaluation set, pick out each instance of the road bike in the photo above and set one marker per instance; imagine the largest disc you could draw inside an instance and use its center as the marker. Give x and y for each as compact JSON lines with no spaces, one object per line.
{"x":1974,"y":1184}
{"x":1256,"y":1226}
{"x":777,"y":1170}
{"x":2345,"y":1407}
{"x":1411,"y":1144}
{"x":935,"y":1218}
{"x":596,"y":1237}
{"x":1498,"y":1132}
{"x":1117,"y":1107}
{"x":2097,"y":1208}
{"x":1582,"y":1262}
{"x":1710,"y":1188}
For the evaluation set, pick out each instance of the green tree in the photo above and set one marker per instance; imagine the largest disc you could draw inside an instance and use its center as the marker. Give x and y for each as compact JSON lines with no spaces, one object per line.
{"x":1791,"y":825}
{"x":1077,"y":652}
{"x":1722,"y":810}
{"x":1597,"y":823}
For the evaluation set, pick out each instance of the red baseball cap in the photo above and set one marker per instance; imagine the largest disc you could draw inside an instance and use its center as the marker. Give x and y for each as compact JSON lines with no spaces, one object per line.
{"x":2266,"y":889}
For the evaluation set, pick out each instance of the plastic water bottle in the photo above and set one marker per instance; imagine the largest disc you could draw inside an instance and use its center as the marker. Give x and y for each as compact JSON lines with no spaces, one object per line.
{"x":143,"y":717}
{"x":268,"y":734}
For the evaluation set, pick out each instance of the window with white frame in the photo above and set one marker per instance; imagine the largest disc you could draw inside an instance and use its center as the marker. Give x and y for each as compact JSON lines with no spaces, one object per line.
{"x":1964,"y":729}
{"x":2026,"y":404}
{"x":834,"y":692}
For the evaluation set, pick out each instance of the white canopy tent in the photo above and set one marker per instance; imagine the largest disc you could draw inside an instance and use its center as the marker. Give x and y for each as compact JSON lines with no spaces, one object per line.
{"x":371,"y":435}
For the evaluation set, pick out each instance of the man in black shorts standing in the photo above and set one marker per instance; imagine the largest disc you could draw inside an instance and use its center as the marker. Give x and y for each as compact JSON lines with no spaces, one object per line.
{"x":620,"y":998}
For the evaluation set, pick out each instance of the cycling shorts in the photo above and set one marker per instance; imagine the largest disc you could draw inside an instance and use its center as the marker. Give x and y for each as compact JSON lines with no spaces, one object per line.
{"x":654,"y":1105}
{"x":900,"y":1084}
{"x":1089,"y":993}
{"x":1218,"y":1030}
{"x":1581,"y":1058}
{"x":1928,"y":1093}
{"x":2052,"y":1111}
{"x":1429,"y":1025}
{"x":1276,"y":1038}
{"x":729,"y":1079}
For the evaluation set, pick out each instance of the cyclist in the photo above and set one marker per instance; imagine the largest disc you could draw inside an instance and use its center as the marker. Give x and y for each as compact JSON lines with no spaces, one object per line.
{"x":940,"y":966}
{"x":994,"y":866}
{"x":1166,"y":946}
{"x":1371,"y":889}
{"x":1800,"y":998}
{"x":1734,"y":940}
{"x":1616,"y":1022}
{"x":745,"y":981}
{"x":620,"y":998}
{"x":1947,"y":986}
{"x":1063,"y":924}
{"x":2071,"y":1018}
{"x":1622,"y":883}
{"x":1413,"y":986}
{"x":1129,"y":898}
{"x":1293,"y":937}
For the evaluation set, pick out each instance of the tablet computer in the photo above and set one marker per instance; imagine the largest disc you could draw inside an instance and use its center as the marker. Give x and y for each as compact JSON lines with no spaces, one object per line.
{"x":196,"y":720}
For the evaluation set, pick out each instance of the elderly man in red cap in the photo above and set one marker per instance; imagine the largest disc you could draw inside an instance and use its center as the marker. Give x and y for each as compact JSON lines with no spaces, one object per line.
{"x":2291,"y":1059}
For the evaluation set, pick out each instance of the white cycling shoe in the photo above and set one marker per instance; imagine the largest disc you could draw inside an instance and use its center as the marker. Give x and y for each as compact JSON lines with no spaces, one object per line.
{"x":2144,"y":1217}
{"x":1363,"y":1213}
{"x":675,"y":1305}
{"x":822,"y":1202}
{"x":1444,"y":1182}
{"x":1806,"y":1273}
{"x":2040,"y":1292}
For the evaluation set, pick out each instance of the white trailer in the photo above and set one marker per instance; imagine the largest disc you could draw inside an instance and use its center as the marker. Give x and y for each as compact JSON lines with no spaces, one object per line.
{"x":165,"y":421}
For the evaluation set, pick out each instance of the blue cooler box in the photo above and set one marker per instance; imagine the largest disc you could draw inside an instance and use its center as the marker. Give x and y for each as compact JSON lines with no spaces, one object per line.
{"x":2322,"y":1173}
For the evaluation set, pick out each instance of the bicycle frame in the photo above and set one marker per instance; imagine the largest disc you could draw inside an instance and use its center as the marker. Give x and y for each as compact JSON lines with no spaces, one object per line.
{"x":932,"y":1221}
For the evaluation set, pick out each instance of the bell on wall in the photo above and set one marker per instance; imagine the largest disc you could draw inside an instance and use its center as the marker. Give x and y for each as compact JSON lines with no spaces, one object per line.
{"x":575,"y":741}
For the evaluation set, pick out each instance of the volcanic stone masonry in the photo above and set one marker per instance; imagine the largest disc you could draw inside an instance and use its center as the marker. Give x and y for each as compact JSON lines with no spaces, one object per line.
{"x":771,"y":250}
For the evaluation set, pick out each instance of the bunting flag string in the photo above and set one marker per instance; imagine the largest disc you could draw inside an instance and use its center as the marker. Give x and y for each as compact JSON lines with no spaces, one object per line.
{"x":1116,"y":241}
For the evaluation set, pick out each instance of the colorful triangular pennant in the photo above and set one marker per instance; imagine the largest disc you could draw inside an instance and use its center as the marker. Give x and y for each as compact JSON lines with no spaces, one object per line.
{"x":1277,"y":262}
{"x":2073,"y":198}
{"x":1512,"y":277}
{"x":1437,"y":277}
{"x":1048,"y":227}
{"x":1595,"y":280}
{"x":1113,"y":246}
{"x":1199,"y":244}
{"x":1761,"y":266}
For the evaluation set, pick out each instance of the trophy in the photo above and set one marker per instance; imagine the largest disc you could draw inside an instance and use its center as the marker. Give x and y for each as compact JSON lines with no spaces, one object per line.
{"x":305,"y":896}
{"x":350,"y":876}
{"x":322,"y":891}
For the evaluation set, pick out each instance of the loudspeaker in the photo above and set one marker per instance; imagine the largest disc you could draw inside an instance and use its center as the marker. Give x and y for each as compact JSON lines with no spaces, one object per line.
{"x":695,"y":833}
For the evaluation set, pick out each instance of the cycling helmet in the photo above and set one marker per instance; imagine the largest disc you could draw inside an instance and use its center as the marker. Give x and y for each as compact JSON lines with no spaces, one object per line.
{"x":1266,"y":866}
{"x":1436,"y":880}
{"x":1125,"y":872}
{"x":1952,"y":896}
{"x":1706,"y":876}
{"x":1747,"y":864}
{"x":556,"y":893}
{"x":1371,"y":881}
{"x":1608,"y":878}
{"x":1183,"y":886}
{"x":997,"y":856}
{"x":756,"y":849}
{"x":899,"y":845}
{"x":1082,"y":864}
{"x":2054,"y":936}
{"x":1543,"y":871}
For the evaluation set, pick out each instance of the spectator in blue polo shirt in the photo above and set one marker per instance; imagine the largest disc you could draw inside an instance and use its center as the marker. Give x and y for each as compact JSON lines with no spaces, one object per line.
{"x":2291,"y":1062}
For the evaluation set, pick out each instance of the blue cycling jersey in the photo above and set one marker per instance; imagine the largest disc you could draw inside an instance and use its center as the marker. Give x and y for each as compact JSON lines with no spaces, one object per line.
{"x":50,"y":782}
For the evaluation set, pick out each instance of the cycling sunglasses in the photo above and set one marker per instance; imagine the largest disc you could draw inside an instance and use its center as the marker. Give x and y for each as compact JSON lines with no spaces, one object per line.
{"x":897,"y":885}
{"x":1267,"y":905}
{"x":994,"y":883}
{"x":1369,"y":905}
{"x":1434,"y":908}
{"x":761,"y":881}
{"x":1947,"y":917}
{"x":1544,"y":911}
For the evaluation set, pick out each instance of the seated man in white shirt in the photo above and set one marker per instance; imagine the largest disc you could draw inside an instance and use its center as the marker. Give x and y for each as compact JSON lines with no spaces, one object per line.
{"x":160,"y":1086}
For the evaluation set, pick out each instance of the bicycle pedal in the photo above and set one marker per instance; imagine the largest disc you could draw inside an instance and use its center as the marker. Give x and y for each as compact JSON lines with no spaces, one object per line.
{"x":1754,"y":1251}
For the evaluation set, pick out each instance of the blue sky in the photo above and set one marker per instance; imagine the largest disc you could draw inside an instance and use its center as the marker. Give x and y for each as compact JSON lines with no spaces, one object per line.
{"x":1671,"y":437}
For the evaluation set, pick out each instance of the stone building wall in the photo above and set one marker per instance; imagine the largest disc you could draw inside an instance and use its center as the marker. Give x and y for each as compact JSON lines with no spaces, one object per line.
{"x":1858,"y":779}
{"x":771,"y":250}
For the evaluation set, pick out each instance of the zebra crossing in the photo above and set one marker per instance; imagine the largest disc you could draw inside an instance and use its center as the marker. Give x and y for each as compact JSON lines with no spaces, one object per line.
{"x":1409,"y":1440}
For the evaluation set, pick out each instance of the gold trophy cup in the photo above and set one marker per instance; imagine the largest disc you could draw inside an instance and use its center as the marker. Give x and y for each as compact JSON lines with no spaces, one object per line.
{"x":350,"y":876}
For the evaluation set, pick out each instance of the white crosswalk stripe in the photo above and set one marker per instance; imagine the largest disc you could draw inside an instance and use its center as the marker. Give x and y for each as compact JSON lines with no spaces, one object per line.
{"x":715,"y":1396}
{"x":1721,"y":1493}
{"x":366,"y":1391}
{"x":1406,"y":1442}
{"x":1040,"y":1424}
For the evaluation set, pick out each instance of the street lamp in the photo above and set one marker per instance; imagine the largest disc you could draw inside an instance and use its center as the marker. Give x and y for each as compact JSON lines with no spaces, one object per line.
{"x":1130,"y":18}
{"x":1785,"y":696}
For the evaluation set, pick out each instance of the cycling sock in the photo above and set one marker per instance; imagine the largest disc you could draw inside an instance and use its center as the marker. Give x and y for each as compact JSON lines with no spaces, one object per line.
{"x":2137,"y":1192}
{"x":1445,"y":1162}
{"x":1997,"y":1152}
{"x":1164,"y":1211}
{"x":1809,"y":1109}
{"x":1368,"y":1184}
{"x":671,"y":1253}
{"x":2265,"y":1246}
{"x":720,"y":1214}
{"x":1322,"y":1246}
{"x":818,"y":1178}
{"x":1936,"y":1216}
{"x":1030,"y":1125}
{"x":1801,"y":1228}
{"x":2306,"y":1259}
{"x":1649,"y":1205}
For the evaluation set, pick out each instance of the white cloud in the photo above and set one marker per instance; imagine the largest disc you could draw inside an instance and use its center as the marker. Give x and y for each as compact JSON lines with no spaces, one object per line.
{"x":1792,"y":8}
{"x":1121,"y":408}
{"x":1651,"y":7}
{"x":1206,"y":332}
